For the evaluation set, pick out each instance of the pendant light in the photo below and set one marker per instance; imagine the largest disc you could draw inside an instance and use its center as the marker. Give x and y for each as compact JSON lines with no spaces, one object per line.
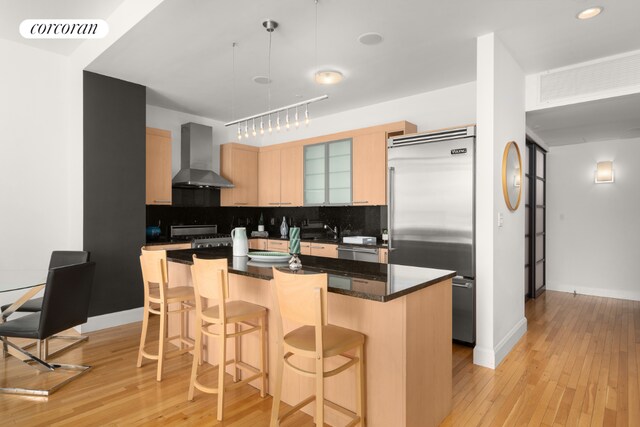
{"x":271,"y":25}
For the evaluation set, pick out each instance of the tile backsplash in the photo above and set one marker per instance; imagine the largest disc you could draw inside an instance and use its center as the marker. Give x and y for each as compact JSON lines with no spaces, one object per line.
{"x":350,"y":220}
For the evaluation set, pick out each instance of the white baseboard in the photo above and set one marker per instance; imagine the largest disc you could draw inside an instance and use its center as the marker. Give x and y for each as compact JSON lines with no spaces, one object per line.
{"x":484,"y":357}
{"x":510,"y":340}
{"x":596,"y":292}
{"x":110,"y":320}
{"x":491,"y":358}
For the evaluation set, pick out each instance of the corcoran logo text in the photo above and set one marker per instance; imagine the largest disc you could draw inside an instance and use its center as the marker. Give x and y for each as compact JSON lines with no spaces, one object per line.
{"x":64,"y":28}
{"x":458,"y":151}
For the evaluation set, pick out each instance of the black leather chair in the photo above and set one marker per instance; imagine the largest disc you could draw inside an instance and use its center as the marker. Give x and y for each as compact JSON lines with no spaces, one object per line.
{"x":34,"y":305}
{"x":58,"y":259}
{"x":65,"y":305}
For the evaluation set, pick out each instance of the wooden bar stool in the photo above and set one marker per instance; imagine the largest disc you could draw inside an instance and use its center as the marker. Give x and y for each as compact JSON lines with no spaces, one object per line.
{"x":210,"y":281}
{"x":157,"y":297}
{"x":302,"y":298}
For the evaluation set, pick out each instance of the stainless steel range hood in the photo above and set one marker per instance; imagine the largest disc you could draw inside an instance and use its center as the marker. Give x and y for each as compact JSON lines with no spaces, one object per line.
{"x":196,"y":159}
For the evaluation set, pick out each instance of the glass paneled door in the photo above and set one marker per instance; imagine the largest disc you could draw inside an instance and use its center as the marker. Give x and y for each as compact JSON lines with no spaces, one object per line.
{"x":339,"y":172}
{"x":314,"y":174}
{"x":327,"y":173}
{"x":535,"y":220}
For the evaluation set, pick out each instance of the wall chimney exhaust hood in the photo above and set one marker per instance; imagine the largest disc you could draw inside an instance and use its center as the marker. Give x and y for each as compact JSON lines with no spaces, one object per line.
{"x":196,"y":159}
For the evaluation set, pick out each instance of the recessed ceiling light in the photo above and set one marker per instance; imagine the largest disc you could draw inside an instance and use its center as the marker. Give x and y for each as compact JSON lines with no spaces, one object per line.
{"x":370,"y":38}
{"x":261,"y":80}
{"x":589,"y":13}
{"x":328,"y":77}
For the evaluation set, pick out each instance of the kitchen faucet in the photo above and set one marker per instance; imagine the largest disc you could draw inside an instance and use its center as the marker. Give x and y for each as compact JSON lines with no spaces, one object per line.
{"x":333,"y":230}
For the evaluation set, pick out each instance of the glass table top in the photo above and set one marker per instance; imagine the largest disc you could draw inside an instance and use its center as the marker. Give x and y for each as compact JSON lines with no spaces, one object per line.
{"x":14,"y":280}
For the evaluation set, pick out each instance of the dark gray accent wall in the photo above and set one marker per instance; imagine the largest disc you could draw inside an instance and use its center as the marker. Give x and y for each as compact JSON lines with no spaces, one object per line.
{"x":114,"y":189}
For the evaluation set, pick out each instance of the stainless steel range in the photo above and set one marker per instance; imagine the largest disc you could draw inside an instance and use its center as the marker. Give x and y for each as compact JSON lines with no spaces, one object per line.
{"x":200,"y":236}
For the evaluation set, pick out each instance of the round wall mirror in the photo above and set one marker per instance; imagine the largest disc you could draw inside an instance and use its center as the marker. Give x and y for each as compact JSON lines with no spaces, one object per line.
{"x":512,"y":175}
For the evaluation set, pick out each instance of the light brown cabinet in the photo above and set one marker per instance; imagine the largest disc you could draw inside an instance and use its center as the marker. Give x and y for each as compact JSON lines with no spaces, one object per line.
{"x":239,"y":164}
{"x":158,"y":164}
{"x":370,"y":169}
{"x":324,"y":249}
{"x":383,"y":256}
{"x":291,"y":178}
{"x":269,"y":170}
{"x":274,"y":175}
{"x":258,"y":244}
{"x":368,"y":286}
{"x":168,"y":247}
{"x":280,"y":177}
{"x":305,"y":248}
{"x":278,"y":245}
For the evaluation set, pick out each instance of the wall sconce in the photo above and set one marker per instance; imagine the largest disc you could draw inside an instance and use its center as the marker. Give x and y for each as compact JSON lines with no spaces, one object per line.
{"x":604,"y":173}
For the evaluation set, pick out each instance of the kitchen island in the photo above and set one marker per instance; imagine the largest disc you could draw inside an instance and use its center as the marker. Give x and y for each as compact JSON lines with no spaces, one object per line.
{"x":405,"y":312}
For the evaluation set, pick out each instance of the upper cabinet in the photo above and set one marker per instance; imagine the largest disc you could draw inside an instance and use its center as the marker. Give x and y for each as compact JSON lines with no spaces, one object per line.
{"x":327,"y":173}
{"x":269,"y":168}
{"x":346,"y":168}
{"x":370,"y":169}
{"x":239,"y":164}
{"x":158,"y":163}
{"x":291,"y":177}
{"x":280,"y":176}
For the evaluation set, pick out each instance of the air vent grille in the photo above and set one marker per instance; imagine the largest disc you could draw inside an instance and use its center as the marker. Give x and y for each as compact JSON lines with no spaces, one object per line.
{"x":433,"y":136}
{"x":611,"y":74}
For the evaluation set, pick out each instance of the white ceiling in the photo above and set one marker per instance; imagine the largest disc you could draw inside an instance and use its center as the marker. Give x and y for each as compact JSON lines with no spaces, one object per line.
{"x":13,"y":12}
{"x":182,"y":50}
{"x":602,"y":120}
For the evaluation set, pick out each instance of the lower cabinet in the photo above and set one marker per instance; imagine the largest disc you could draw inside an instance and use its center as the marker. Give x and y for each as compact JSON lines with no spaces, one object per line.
{"x":278,"y":245}
{"x":383,"y":256}
{"x":305,"y":248}
{"x":369,"y":286}
{"x":258,"y":244}
{"x":322,"y":249}
{"x":168,"y":247}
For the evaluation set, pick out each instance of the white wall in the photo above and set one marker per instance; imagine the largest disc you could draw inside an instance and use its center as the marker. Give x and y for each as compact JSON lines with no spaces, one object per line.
{"x":41,"y":154}
{"x":33,"y":156}
{"x":451,"y":106}
{"x":499,"y":250}
{"x":593,"y":240}
{"x":171,"y":120}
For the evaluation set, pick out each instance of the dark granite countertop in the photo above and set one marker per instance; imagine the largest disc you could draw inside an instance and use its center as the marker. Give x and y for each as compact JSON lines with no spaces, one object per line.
{"x":165,"y":241}
{"x":367,"y":280}
{"x":331,"y":241}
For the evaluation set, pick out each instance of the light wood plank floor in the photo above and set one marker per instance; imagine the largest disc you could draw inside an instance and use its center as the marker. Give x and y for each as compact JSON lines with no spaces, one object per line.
{"x":578,"y":364}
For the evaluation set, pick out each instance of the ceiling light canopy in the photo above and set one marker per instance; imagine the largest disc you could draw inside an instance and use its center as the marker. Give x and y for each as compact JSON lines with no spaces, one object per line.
{"x":261,"y":80}
{"x":589,"y":13}
{"x":370,"y":39}
{"x":328,"y":77}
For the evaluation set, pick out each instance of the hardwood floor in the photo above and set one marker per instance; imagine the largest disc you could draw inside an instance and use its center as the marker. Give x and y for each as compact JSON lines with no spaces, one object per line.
{"x":578,"y":364}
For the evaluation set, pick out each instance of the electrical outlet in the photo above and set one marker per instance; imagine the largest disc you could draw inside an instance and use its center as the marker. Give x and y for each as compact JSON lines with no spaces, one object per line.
{"x":500,"y":219}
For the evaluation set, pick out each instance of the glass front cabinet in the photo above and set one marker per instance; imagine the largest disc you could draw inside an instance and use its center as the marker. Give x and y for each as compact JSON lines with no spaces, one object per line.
{"x":327,"y":173}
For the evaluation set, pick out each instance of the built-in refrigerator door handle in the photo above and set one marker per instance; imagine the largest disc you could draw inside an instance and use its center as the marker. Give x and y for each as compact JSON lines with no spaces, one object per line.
{"x":462,"y":285}
{"x":391,"y":174}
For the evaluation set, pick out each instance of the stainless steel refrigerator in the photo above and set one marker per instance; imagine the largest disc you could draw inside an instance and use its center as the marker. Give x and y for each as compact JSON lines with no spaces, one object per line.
{"x":431,"y":212}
